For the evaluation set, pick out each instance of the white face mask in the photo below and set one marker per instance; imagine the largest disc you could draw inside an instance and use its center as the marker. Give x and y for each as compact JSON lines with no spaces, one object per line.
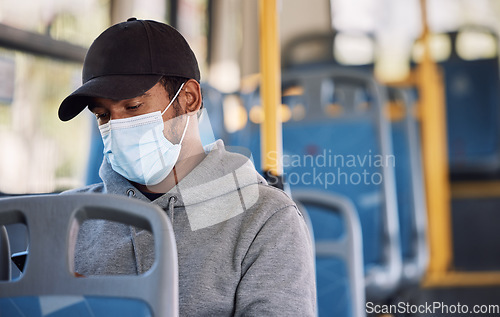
{"x":137,"y":149}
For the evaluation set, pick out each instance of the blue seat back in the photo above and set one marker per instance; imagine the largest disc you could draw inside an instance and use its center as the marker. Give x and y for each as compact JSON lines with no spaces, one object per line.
{"x":211,"y":122}
{"x":339,"y":255}
{"x":409,"y":184}
{"x":341,"y":145}
{"x":95,"y":154}
{"x":472,"y":111}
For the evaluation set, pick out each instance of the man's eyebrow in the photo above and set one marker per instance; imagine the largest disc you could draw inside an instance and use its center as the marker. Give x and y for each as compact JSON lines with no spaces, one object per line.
{"x":145,"y":94}
{"x":134,"y":99}
{"x":92,"y":104}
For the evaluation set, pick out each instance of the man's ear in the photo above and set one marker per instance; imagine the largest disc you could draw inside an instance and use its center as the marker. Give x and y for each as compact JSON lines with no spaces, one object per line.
{"x":192,"y":96}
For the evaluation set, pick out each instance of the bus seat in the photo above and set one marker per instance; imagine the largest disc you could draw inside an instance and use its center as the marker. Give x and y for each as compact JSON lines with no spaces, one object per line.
{"x":315,"y":50}
{"x":17,"y":236}
{"x":337,"y":118}
{"x":356,"y":134}
{"x":311,"y":49}
{"x":409,"y":185}
{"x":48,"y":285}
{"x":18,"y":243}
{"x":339,"y":257}
{"x":95,"y":156}
{"x":5,"y":265}
{"x":472,"y":111}
{"x":211,"y":122}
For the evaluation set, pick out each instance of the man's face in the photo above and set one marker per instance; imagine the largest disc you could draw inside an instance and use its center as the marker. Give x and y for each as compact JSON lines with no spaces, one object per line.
{"x":155,"y":99}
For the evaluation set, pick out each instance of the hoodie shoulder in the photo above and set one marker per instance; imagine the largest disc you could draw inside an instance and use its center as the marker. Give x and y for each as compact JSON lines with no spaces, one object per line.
{"x":275,"y":198}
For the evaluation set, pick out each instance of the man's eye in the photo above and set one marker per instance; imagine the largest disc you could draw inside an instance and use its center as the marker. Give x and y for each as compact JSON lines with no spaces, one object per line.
{"x":101,"y":115}
{"x":134,"y":107}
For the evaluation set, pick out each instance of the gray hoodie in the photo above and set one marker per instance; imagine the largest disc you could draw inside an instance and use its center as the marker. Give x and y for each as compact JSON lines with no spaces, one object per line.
{"x":243,"y":246}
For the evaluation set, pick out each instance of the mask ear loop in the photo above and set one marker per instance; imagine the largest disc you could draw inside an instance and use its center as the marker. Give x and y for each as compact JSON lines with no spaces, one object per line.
{"x":185,"y":129}
{"x":172,"y":101}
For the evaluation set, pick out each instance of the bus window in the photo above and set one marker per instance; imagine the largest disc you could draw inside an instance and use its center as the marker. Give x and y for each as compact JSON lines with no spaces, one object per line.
{"x":473,"y":45}
{"x":354,"y":49}
{"x":40,"y":153}
{"x":440,"y":46}
{"x":38,"y":68}
{"x":235,"y":115}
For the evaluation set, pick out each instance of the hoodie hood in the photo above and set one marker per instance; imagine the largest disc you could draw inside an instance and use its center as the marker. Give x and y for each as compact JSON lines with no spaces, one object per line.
{"x":223,"y":178}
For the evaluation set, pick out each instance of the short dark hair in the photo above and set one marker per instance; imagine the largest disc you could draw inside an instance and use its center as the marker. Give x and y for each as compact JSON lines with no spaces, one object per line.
{"x":172,"y":85}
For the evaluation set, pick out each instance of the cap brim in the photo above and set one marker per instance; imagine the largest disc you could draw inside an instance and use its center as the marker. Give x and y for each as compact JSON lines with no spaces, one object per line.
{"x":116,"y":87}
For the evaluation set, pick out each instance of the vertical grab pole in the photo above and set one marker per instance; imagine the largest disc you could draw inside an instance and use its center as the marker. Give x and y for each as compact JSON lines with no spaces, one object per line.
{"x":270,"y":89}
{"x":435,"y":157}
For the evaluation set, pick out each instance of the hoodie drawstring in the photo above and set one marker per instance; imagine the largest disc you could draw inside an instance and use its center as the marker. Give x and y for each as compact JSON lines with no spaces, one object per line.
{"x":171,"y":201}
{"x":133,"y":234}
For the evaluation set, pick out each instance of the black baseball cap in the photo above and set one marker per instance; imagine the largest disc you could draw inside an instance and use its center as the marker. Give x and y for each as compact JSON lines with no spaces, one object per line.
{"x":127,"y":60}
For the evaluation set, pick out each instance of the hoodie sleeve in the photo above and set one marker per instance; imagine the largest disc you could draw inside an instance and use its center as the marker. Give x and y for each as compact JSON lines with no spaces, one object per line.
{"x":278,"y":277}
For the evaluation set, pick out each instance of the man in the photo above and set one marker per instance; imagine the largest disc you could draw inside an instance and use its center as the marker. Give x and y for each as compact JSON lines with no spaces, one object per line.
{"x":243,"y":247}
